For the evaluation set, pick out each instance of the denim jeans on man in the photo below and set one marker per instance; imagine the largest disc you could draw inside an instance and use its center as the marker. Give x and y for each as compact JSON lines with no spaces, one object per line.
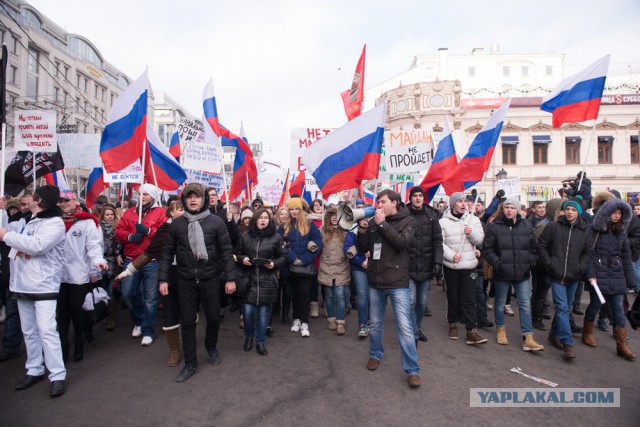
{"x":418,"y":300}
{"x":140,"y":292}
{"x":362,"y":295}
{"x":523,"y":293}
{"x":615,"y":304}
{"x":402,"y":315}
{"x":335,"y":299}
{"x":562,"y":300}
{"x":259,"y":328}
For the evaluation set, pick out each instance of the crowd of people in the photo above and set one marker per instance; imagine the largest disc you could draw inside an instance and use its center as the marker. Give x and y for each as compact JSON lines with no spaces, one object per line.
{"x":294,"y":262}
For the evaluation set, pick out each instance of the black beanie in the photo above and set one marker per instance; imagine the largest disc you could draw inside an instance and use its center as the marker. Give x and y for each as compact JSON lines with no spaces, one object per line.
{"x":50,"y":194}
{"x":414,"y":190}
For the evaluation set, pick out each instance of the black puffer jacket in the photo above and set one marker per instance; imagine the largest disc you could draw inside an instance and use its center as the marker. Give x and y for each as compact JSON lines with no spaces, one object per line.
{"x":219,"y":251}
{"x":266,"y":244}
{"x":510,"y":247}
{"x":396,"y":234}
{"x":633,"y":233}
{"x":426,"y":249}
{"x":232,"y":227}
{"x":611,"y":263}
{"x":565,"y":250}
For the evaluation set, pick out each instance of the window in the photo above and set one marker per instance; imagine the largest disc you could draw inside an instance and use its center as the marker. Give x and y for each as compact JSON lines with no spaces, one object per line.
{"x":2,"y":33}
{"x":78,"y":81}
{"x":472,"y":71}
{"x":505,"y":71}
{"x":56,"y":94}
{"x":95,"y":91}
{"x":57,"y":68}
{"x":13,"y":74}
{"x":32,"y":75}
{"x":549,"y":70}
{"x":84,"y":51}
{"x":102,"y":91}
{"x":635,"y":154}
{"x":605,"y":148}
{"x":509,"y":154}
{"x":13,"y":45}
{"x":86,"y":85}
{"x":525,"y":71}
{"x":66,"y":72}
{"x":572,"y":146}
{"x":113,"y":96}
{"x":540,"y":154}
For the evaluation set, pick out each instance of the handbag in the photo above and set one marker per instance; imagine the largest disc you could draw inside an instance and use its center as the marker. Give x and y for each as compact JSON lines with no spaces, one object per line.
{"x":303,"y":270}
{"x":242,"y":284}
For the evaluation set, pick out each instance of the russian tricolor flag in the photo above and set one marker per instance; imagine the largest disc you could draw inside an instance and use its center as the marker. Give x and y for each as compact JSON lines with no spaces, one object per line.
{"x":124,"y":133}
{"x":369,"y":197}
{"x":444,"y":162}
{"x":95,"y":186}
{"x":473,"y":166}
{"x":348,"y":155}
{"x":577,"y":98}
{"x":161,"y":168}
{"x":174,"y":146}
{"x":57,"y":179}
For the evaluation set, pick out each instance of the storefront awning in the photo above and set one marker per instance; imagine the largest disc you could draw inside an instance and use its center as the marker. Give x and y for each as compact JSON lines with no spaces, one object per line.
{"x":607,"y":139}
{"x":542,"y":139}
{"x":573,"y":140}
{"x":634,"y":138}
{"x":509,"y":140}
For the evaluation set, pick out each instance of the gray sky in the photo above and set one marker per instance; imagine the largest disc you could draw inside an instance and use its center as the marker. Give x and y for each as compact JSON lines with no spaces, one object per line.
{"x":278,"y":64}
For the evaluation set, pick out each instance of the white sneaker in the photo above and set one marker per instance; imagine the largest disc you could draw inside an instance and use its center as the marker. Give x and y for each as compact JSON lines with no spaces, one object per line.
{"x":146,"y":341}
{"x":137,"y":332}
{"x":296,"y":325}
{"x":304,"y":330}
{"x":508,"y":310}
{"x":3,"y":314}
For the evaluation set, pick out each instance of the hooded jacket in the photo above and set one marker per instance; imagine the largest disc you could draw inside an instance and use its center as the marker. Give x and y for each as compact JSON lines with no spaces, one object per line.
{"x":153,"y":218}
{"x":611,"y":263}
{"x":395,"y":234}
{"x":426,"y":249}
{"x":83,"y":248}
{"x":453,"y":236}
{"x":510,"y":247}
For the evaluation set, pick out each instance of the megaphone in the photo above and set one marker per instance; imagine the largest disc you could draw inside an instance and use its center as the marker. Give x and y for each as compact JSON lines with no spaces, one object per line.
{"x":347,"y":217}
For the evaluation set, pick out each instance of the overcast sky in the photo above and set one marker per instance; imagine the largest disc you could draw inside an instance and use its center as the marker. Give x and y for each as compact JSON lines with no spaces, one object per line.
{"x":282,"y":64}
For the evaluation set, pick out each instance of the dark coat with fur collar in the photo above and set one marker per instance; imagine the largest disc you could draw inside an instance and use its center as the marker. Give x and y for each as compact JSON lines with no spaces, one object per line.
{"x":611,"y":263}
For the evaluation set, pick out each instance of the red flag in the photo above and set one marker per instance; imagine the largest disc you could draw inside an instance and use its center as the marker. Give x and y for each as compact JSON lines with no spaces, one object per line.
{"x":298,"y":184}
{"x":352,"y":98}
{"x":284,"y":198}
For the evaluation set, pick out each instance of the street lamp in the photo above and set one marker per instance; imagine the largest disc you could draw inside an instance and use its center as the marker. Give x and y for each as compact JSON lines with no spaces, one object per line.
{"x":502,"y":174}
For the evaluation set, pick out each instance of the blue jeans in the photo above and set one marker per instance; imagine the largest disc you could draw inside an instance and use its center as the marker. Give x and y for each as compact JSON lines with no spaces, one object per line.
{"x":402,"y":316}
{"x":418,"y":301}
{"x":636,"y":270}
{"x":562,"y":300}
{"x":362,"y":295}
{"x":615,"y":303}
{"x":250,"y":312}
{"x":335,"y":298}
{"x":140,"y":292}
{"x":523,"y":292}
{"x":481,"y":298}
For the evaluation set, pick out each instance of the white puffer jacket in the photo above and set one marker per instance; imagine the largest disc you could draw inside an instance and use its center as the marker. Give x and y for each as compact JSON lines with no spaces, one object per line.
{"x":37,"y":269}
{"x":453,"y":235}
{"x":82,"y":250}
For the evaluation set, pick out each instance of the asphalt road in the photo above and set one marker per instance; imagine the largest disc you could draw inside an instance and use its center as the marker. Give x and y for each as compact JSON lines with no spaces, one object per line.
{"x":321,"y":380}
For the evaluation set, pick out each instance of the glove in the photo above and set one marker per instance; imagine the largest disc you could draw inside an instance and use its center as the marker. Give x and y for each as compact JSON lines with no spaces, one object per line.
{"x":437,"y":269}
{"x":135,"y":238}
{"x":297,"y":262}
{"x":500,"y":194}
{"x":142,"y":229}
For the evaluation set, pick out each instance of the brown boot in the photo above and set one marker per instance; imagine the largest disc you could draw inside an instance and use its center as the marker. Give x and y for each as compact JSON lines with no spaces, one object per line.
{"x":587,"y":334}
{"x":340,"y":329}
{"x":173,"y":340}
{"x":621,"y":344}
{"x":501,"y":335}
{"x":568,"y":352}
{"x":111,"y":314}
{"x":332,"y":323}
{"x":555,"y":341}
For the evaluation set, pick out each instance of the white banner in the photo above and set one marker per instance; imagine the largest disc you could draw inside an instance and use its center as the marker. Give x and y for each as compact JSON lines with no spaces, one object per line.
{"x":189,"y":130}
{"x":203,"y":156}
{"x":80,"y":150}
{"x":35,"y":130}
{"x":207,"y":179}
{"x":270,"y":187}
{"x":131,"y":174}
{"x":408,"y":151}
{"x":511,"y":186}
{"x":301,"y":138}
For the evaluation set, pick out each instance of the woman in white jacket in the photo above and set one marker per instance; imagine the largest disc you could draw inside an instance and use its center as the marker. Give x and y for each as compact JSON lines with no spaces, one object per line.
{"x":82,"y":252}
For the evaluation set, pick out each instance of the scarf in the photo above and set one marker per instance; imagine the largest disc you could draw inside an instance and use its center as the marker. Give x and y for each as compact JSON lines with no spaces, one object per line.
{"x":107,"y":227}
{"x":78,"y":214}
{"x":195,"y":234}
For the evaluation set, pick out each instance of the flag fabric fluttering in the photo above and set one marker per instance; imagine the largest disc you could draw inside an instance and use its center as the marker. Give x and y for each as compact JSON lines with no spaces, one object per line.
{"x":577,"y":98}
{"x":174,"y":146}
{"x":19,"y":173}
{"x":124,"y":133}
{"x":95,"y":187}
{"x":475,"y":163}
{"x":284,"y":197}
{"x":57,"y":179}
{"x":369,"y":197}
{"x":352,"y":98}
{"x":348,"y":155}
{"x":161,"y":168}
{"x":239,"y":181}
{"x":299,"y":187}
{"x":444,"y":162}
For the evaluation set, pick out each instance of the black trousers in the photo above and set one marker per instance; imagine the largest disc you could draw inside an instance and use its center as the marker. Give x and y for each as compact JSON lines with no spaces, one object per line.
{"x":301,"y":296}
{"x":190,"y":294}
{"x":540,"y":288}
{"x":69,"y":310}
{"x":170,"y":302}
{"x":461,"y":296}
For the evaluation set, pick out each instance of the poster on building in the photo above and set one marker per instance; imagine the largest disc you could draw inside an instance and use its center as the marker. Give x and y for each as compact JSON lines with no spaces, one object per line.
{"x":408,"y":151}
{"x":203,"y":156}
{"x":511,"y":186}
{"x":207,"y":179}
{"x":35,"y":130}
{"x":301,"y":138}
{"x":80,"y":150}
{"x":269,"y":188}
{"x":131,"y":174}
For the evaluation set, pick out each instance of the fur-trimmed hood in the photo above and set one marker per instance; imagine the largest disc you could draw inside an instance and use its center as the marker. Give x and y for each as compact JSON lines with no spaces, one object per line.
{"x":601,"y":218}
{"x":600,"y":198}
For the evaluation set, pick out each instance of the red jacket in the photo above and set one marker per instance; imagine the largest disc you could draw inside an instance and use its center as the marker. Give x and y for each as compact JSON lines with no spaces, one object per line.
{"x":153,"y":219}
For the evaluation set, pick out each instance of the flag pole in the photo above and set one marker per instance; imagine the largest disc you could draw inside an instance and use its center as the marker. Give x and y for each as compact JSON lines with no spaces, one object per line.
{"x":473,"y":212}
{"x":246,"y":176}
{"x":586,"y":157}
{"x":144,"y":158}
{"x":4,"y":144}
{"x":224,"y":182}
{"x":33,"y":154}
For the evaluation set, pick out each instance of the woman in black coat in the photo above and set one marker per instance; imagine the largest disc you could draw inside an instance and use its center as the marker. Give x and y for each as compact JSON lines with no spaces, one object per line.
{"x":611,"y":270}
{"x":261,"y":254}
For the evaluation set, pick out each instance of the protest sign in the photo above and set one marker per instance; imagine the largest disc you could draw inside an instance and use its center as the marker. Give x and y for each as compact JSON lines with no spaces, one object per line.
{"x":80,"y":150}
{"x":203,"y":156}
{"x":207,"y":179}
{"x":408,"y":151}
{"x":269,"y":188}
{"x":511,"y":186}
{"x":131,"y":174}
{"x":189,"y":130}
{"x":35,"y":130}
{"x":301,"y":138}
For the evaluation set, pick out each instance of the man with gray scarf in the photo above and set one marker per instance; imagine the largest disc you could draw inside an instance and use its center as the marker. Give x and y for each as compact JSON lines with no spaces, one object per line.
{"x":202,"y":249}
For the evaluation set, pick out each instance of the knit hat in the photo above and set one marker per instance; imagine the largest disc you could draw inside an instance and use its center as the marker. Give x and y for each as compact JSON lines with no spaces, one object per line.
{"x":575,"y":202}
{"x":455,"y":197}
{"x":295,"y":203}
{"x":258,"y":201}
{"x":151,"y":190}
{"x":12,"y":203}
{"x":49,"y":194}
{"x":68,"y":195}
{"x":512,"y":200}
{"x":246,"y":213}
{"x":193,"y":188}
{"x":414,"y":190}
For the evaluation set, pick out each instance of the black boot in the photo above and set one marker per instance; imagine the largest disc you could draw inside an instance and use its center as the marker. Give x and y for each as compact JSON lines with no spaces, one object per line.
{"x":78,"y":349}
{"x":248,"y":344}
{"x":64,"y":344}
{"x":261,"y":349}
